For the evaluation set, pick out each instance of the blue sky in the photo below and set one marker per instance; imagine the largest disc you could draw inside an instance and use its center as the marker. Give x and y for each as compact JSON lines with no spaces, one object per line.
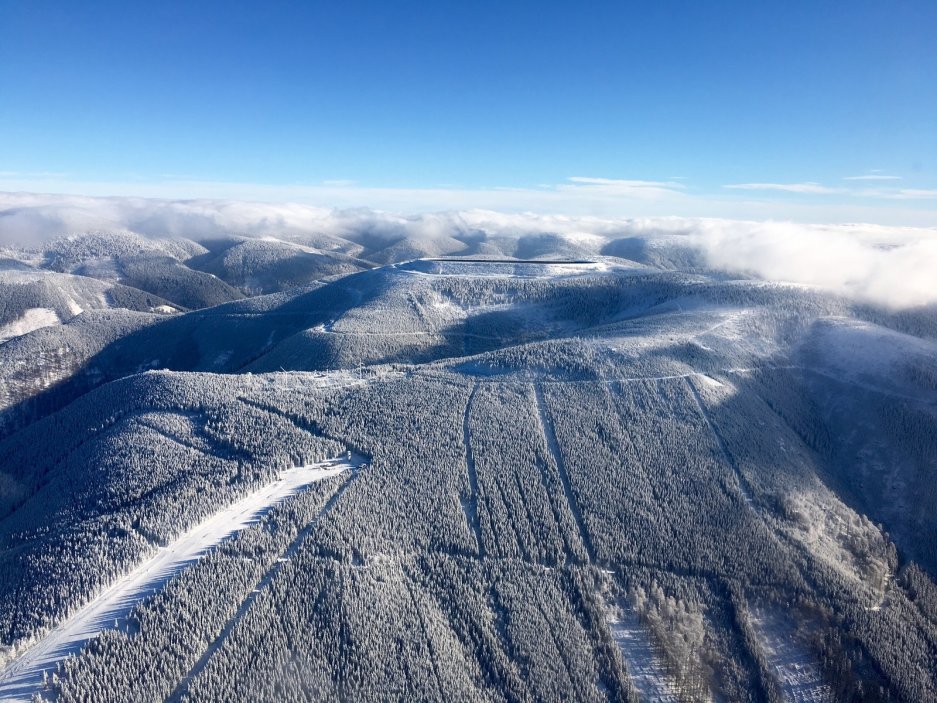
{"x":740,"y":108}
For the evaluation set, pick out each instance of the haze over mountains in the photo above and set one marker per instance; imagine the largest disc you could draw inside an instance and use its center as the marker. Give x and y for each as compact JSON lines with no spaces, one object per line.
{"x":584,"y":458}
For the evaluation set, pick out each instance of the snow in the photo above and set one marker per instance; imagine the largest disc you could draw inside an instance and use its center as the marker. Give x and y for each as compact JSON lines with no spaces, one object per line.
{"x":75,"y":309}
{"x":324,"y":327}
{"x":874,"y":358}
{"x":222,"y":358}
{"x":789,"y":659}
{"x":709,"y":380}
{"x":502,"y":268}
{"x":32,"y":319}
{"x":642,"y":659}
{"x":23,"y":677}
{"x":586,"y":239}
{"x":839,"y":537}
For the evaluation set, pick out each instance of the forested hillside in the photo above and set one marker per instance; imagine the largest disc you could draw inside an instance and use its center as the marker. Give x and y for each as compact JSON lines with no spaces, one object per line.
{"x":616,"y":477}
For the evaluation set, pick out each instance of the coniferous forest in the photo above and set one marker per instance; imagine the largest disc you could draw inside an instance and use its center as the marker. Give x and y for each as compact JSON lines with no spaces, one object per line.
{"x":598,"y":479}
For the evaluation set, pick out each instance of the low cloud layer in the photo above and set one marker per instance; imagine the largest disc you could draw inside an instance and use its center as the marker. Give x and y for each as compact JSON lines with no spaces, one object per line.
{"x":894,"y":266}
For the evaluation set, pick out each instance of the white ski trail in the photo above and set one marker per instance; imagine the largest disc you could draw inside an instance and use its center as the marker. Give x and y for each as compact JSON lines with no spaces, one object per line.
{"x":23,"y":676}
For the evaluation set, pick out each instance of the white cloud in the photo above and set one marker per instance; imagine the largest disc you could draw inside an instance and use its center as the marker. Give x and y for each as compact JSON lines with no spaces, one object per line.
{"x":621,"y":188}
{"x":912,"y":194}
{"x":872,"y":177}
{"x":581,"y":195}
{"x":578,"y":195}
{"x":868,"y":193}
{"x":31,"y":174}
{"x":887,"y":265}
{"x":808,"y":187}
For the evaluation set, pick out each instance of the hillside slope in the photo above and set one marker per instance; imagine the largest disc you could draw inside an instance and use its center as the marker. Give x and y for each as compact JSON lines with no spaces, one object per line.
{"x":590,"y":480}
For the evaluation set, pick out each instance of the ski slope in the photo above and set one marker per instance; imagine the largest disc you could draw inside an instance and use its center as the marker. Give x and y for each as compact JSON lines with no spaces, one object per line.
{"x":23,"y":676}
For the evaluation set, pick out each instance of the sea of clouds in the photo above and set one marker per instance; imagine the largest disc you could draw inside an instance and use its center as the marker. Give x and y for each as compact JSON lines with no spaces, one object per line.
{"x":893,"y":266}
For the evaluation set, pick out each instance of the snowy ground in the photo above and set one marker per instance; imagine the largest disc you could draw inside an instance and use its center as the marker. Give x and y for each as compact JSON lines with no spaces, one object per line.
{"x":21,"y":678}
{"x":872,"y":357}
{"x":304,"y":381}
{"x":789,"y":660}
{"x":31,"y":319}
{"x":503,"y":268}
{"x":643,"y":661}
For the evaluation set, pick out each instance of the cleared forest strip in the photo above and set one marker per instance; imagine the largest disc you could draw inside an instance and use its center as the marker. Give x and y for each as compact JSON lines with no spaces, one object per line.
{"x":470,"y":506}
{"x":23,"y":676}
{"x":264,"y":581}
{"x":720,"y":442}
{"x":546,"y":424}
{"x":789,"y":660}
{"x":643,"y":660}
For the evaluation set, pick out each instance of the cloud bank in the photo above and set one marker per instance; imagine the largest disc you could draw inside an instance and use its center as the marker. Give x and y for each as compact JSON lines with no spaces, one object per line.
{"x":896,"y":267}
{"x":893,"y":266}
{"x":875,"y":199}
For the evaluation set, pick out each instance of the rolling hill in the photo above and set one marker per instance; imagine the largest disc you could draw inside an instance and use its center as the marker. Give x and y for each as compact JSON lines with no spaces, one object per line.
{"x":590,"y":471}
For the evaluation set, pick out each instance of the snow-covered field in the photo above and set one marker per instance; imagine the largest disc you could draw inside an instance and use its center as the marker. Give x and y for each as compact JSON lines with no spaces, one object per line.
{"x":22,"y":677}
{"x":789,"y":660}
{"x":31,"y":319}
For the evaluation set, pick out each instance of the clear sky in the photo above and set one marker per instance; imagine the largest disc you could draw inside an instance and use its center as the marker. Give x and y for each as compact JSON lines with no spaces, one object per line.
{"x":822,"y":109}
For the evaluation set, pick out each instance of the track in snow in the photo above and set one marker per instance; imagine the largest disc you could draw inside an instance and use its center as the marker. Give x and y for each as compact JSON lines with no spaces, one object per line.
{"x":470,"y":506}
{"x":23,"y":677}
{"x":549,"y":433}
{"x":262,"y":584}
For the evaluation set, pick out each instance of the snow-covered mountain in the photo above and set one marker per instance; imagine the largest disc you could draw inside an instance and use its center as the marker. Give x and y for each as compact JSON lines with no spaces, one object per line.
{"x":471,"y":466}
